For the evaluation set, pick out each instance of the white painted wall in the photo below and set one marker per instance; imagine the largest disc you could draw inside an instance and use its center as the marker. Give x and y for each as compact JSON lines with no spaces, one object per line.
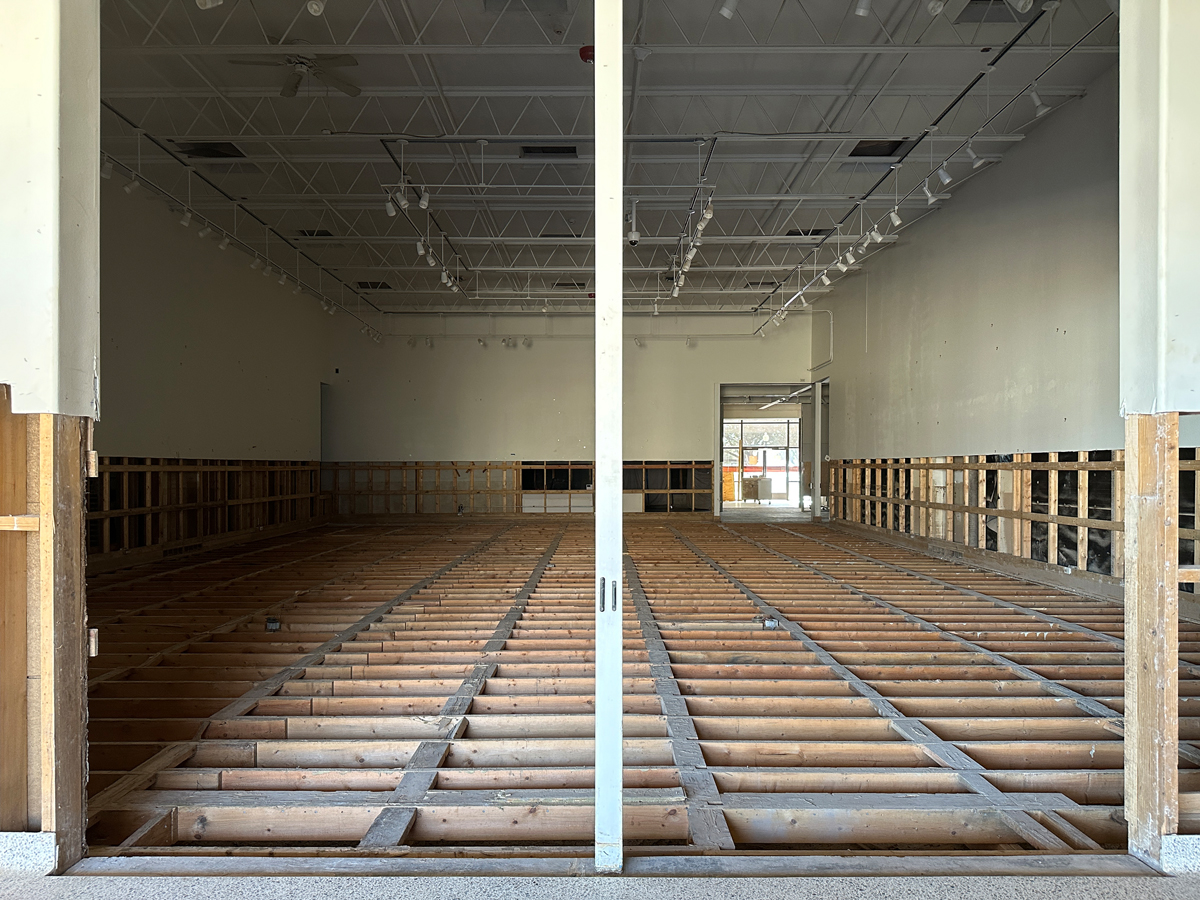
{"x":458,"y":400}
{"x":49,"y":165}
{"x":201,"y":357}
{"x":992,"y":325}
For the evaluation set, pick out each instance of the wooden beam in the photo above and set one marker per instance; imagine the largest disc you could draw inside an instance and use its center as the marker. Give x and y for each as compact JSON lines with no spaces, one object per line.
{"x":14,"y":734}
{"x":1151,"y":630}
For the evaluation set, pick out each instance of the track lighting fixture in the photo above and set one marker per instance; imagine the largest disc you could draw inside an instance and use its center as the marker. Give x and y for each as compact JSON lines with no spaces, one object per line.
{"x":691,"y":254}
{"x":454,"y":286}
{"x":420,"y":248}
{"x":728,"y":8}
{"x":332,"y":308}
{"x":687,"y":265}
{"x":862,"y":8}
{"x":315,"y":7}
{"x":526,"y":342}
{"x":209,"y":4}
{"x":894,"y":215}
{"x":708,"y":211}
{"x":825,"y":280}
{"x":935,"y":7}
{"x":256,"y":263}
{"x":675,"y":291}
{"x":424,"y":201}
{"x":133,"y":185}
{"x":850,"y":258}
{"x":363,"y":330}
{"x":681,"y":280}
{"x":929,"y":198}
{"x":429,"y":259}
{"x":445,"y":277}
{"x":389,"y":207}
{"x":1039,"y":108}
{"x":976,"y":159}
{"x":324,"y":305}
{"x":943,"y":175}
{"x":267,"y":272}
{"x":187,"y":218}
{"x":841,"y":266}
{"x":106,"y":168}
{"x":204,"y":232}
{"x":283,"y":277}
{"x":876,"y":236}
{"x":1021,"y":6}
{"x":687,"y":342}
{"x":296,"y":289}
{"x":480,"y":341}
{"x":224,"y":245}
{"x":412,"y":341}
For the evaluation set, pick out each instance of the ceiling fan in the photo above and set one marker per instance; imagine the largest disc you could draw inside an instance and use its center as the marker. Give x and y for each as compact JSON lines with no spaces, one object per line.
{"x":316,"y":66}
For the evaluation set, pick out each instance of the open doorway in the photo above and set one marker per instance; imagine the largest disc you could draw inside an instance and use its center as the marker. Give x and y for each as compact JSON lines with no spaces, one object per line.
{"x":769,"y":442}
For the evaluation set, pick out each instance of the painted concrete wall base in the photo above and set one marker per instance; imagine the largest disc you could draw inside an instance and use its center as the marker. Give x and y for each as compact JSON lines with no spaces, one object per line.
{"x":1181,"y":854}
{"x":28,"y":852}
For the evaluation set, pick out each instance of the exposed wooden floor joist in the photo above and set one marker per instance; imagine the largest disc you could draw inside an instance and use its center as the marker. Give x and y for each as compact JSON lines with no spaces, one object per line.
{"x":792,"y":693}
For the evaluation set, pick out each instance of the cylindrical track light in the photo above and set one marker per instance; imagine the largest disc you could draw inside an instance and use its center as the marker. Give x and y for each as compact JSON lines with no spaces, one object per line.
{"x":894,"y":215}
{"x":187,"y":218}
{"x":943,"y":175}
{"x":224,"y":245}
{"x":424,"y":201}
{"x":420,"y":248}
{"x":389,"y":207}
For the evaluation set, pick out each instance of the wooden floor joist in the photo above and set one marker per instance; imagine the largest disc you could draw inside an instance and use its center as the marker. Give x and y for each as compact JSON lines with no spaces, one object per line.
{"x":425,"y":692}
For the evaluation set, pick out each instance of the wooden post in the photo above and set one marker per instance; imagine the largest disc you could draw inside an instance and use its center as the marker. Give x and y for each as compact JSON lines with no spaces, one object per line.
{"x":1151,"y":630}
{"x":43,"y":666}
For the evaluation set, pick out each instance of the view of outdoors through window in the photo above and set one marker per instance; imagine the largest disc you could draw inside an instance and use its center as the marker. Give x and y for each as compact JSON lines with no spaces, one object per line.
{"x":760,"y":461}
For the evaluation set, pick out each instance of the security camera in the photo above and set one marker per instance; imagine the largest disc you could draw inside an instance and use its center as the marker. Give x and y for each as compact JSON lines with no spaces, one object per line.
{"x":634,"y":237}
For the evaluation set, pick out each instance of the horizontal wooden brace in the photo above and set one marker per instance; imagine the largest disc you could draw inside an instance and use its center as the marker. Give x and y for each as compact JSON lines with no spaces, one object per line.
{"x":20,"y":523}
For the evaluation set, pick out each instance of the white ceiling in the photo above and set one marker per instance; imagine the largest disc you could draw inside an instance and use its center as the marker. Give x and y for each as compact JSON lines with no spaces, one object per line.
{"x":770,"y":105}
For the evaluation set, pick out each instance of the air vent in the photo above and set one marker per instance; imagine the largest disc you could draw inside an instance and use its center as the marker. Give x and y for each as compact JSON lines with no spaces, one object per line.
{"x":876,"y":148}
{"x":209,"y":150}
{"x":550,"y":152}
{"x":571,"y":285}
{"x":313,"y":232}
{"x":995,"y":12}
{"x":372,"y":286}
{"x":219,"y":157}
{"x":809,"y":232}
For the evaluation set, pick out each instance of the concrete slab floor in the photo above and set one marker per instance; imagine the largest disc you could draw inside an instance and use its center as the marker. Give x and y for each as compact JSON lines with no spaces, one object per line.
{"x":1185,"y":887}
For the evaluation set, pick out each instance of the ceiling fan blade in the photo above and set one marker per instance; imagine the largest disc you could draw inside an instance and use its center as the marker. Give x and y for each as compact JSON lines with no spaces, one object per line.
{"x":292,"y":84}
{"x":256,"y":62}
{"x":344,"y":59}
{"x":334,"y":82}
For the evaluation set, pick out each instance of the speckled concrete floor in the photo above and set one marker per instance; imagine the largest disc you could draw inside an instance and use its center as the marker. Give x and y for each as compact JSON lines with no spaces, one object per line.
{"x":995,"y":888}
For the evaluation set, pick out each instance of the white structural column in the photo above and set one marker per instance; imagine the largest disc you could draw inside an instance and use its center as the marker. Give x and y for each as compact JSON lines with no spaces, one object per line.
{"x":817,"y":455}
{"x":50,"y":213}
{"x":610,"y":249}
{"x":1160,"y":378}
